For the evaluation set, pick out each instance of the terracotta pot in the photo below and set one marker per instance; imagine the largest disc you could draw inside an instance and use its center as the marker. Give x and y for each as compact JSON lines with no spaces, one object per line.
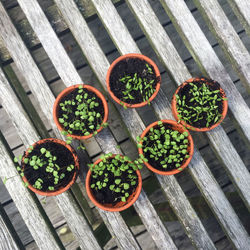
{"x":188,"y":126}
{"x":190,"y":149}
{"x":142,"y":57}
{"x":62,"y":189}
{"x":69,"y":90}
{"x":120,"y":206}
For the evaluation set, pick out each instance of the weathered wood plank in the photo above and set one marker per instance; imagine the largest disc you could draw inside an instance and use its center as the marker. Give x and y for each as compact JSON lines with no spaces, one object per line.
{"x":27,"y":207}
{"x":99,"y":64}
{"x":70,"y":76}
{"x":218,"y":138}
{"x":159,"y":39}
{"x":209,"y":63}
{"x":227,"y":37}
{"x":29,"y":136}
{"x":8,"y":237}
{"x":242,"y":10}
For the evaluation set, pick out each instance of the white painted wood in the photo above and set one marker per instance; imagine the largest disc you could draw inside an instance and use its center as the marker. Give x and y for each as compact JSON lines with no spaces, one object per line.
{"x":228,"y":38}
{"x":198,"y":168}
{"x":6,"y":240}
{"x":242,"y":9}
{"x":218,"y":138}
{"x":97,"y":59}
{"x":207,"y":59}
{"x":69,"y":208}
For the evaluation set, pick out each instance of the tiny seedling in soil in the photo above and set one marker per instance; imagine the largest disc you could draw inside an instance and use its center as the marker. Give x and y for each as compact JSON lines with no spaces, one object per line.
{"x":199,"y":103}
{"x":133,"y":81}
{"x":48,"y":166}
{"x":164,"y":149}
{"x":113,"y":179}
{"x":81,"y":113}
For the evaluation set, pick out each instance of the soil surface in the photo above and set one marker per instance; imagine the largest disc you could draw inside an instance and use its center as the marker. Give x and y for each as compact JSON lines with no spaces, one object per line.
{"x":105,"y":195}
{"x":129,"y":67}
{"x":213,"y":85}
{"x":64,"y":159}
{"x":72,"y":117}
{"x":157,"y":163}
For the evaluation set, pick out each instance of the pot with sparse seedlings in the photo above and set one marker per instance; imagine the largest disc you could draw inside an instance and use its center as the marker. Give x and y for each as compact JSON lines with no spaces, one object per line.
{"x":165,"y":147}
{"x":133,"y":80}
{"x":49,"y":167}
{"x":199,"y":104}
{"x":80,"y":111}
{"x":113,"y":182}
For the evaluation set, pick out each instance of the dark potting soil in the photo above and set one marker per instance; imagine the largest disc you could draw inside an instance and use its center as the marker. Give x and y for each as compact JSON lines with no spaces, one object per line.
{"x":105,"y":195}
{"x":64,"y":159}
{"x":129,"y":67}
{"x":71,"y":96}
{"x":213,"y":85}
{"x":157,"y":163}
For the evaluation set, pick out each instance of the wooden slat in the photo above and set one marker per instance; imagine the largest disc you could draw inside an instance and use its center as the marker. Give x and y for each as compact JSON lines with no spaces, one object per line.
{"x":218,"y":138}
{"x":242,"y":9}
{"x":24,"y":61}
{"x":99,"y":64}
{"x":208,"y":61}
{"x":75,"y":219}
{"x":228,"y":38}
{"x":141,"y":8}
{"x":8,"y":241}
{"x":70,"y":76}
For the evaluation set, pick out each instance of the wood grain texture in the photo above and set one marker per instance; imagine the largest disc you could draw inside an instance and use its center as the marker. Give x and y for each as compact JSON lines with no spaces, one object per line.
{"x":25,"y":63}
{"x":218,"y":138}
{"x":74,"y":217}
{"x":47,"y":37}
{"x":131,"y":118}
{"x":242,"y":10}
{"x":227,"y":37}
{"x":207,"y":59}
{"x":7,"y":241}
{"x":70,"y":76}
{"x":158,"y":38}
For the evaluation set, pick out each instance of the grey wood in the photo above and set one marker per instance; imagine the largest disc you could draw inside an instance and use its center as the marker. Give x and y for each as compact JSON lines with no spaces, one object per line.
{"x":99,"y":64}
{"x":141,"y":8}
{"x":242,"y":9}
{"x":6,"y":240}
{"x":38,"y":85}
{"x":70,"y":76}
{"x":227,"y":37}
{"x":218,"y":138}
{"x":20,"y":195}
{"x":208,"y":61}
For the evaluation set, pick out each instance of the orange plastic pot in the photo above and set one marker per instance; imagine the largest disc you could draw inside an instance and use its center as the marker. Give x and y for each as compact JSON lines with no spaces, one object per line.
{"x":190,"y":149}
{"x":68,"y":91}
{"x":188,"y":126}
{"x":120,"y":206}
{"x":62,"y":189}
{"x":142,"y":57}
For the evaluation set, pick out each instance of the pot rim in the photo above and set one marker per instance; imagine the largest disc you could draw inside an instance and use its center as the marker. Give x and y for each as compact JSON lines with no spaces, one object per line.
{"x":60,"y":190}
{"x":188,"y":126}
{"x":142,"y":57}
{"x":191,"y":147}
{"x":113,"y":209}
{"x":65,"y":92}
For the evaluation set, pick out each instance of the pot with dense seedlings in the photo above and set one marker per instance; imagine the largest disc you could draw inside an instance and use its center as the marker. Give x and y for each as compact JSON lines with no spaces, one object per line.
{"x":199,"y":104}
{"x":113,"y":182}
{"x":49,"y":167}
{"x":165,"y":147}
{"x":80,"y":111}
{"x":133,"y":80}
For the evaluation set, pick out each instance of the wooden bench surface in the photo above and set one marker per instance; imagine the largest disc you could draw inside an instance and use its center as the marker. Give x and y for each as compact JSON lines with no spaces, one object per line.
{"x":47,"y":20}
